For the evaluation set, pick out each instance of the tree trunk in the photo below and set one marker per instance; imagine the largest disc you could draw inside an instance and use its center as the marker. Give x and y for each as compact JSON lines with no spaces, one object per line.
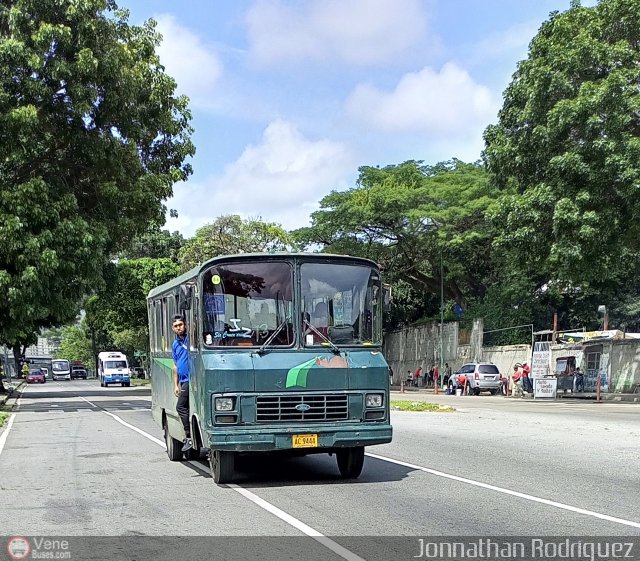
{"x":16,"y":359}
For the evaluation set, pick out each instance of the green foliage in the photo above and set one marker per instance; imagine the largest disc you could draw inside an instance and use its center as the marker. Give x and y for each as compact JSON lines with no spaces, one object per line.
{"x":415,"y":220}
{"x":231,"y":234}
{"x":155,"y":244}
{"x":76,"y":345}
{"x":566,"y":153}
{"x":119,"y":312}
{"x":93,"y":140}
{"x":403,"y":405}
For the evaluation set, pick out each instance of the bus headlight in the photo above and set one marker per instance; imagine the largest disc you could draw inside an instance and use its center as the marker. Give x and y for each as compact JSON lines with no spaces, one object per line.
{"x":224,"y":404}
{"x":373,"y":400}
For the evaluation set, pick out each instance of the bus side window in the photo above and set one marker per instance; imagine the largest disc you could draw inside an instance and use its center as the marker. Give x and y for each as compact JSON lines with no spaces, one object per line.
{"x":194,"y":341}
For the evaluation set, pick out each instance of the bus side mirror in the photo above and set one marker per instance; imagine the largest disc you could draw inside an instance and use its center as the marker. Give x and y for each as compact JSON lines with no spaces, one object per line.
{"x":184,"y":299}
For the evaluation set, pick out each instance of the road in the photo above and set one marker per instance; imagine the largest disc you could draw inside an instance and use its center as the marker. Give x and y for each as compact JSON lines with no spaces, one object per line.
{"x":80,"y":460}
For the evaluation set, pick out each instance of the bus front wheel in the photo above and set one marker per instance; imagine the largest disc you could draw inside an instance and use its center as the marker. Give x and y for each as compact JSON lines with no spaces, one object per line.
{"x":350,"y":461}
{"x":221,"y":463}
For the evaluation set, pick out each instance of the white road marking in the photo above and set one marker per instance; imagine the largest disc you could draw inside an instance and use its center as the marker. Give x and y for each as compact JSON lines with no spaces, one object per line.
{"x":5,"y":433}
{"x":129,"y":426}
{"x":292,"y":521}
{"x":301,"y":526}
{"x":509,"y":492}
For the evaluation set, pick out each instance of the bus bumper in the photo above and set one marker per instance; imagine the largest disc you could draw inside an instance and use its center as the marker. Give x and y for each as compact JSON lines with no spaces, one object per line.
{"x":260,"y":439}
{"x":117,"y":379}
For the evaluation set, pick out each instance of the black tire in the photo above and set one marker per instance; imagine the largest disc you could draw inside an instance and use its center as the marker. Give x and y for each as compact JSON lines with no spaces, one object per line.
{"x":128,"y":385}
{"x":174,"y":447}
{"x":350,"y":461}
{"x":221,"y":463}
{"x":194,"y":453}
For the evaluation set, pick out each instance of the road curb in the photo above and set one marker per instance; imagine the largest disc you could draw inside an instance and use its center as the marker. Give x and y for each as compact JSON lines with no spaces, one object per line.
{"x":15,"y":393}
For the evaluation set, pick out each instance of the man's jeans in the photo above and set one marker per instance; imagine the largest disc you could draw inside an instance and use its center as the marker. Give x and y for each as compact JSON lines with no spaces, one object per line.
{"x":183,"y":407}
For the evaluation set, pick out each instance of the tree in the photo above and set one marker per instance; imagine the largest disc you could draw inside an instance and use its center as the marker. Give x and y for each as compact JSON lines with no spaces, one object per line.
{"x":93,"y":140}
{"x":566,"y":154}
{"x":413,"y":218}
{"x":231,"y":234}
{"x":155,"y":244}
{"x":76,"y":345}
{"x":120,"y":310}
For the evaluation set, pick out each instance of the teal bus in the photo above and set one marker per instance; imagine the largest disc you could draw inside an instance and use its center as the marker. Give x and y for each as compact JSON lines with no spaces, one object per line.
{"x":284,"y":356}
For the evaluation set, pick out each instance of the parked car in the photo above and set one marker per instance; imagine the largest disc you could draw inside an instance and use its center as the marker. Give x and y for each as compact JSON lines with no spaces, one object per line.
{"x":78,"y":372}
{"x":36,"y":377}
{"x":481,"y":376}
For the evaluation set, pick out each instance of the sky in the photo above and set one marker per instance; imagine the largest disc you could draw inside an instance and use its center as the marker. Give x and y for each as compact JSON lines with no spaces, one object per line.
{"x":290,"y":97}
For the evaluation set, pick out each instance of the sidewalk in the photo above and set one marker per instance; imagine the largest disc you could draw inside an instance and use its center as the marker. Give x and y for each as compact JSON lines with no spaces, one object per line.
{"x":589,"y":396}
{"x":13,"y":391}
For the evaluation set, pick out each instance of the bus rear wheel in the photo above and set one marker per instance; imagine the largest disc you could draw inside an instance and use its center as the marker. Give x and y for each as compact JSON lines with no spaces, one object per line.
{"x":222,"y":465}
{"x":174,"y":447}
{"x":350,"y":461}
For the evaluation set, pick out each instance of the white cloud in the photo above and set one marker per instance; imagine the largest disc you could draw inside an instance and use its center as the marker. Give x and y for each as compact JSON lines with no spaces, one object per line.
{"x":510,"y":43}
{"x":355,"y":31}
{"x":448,"y":103}
{"x":281,"y":179}
{"x":195,"y":67}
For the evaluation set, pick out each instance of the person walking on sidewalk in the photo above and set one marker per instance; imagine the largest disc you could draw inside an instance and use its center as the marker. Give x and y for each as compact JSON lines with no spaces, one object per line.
{"x":180,"y":353}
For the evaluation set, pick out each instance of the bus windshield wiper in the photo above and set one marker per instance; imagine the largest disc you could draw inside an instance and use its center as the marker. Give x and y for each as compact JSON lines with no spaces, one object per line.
{"x":263,"y":349}
{"x":333,"y":346}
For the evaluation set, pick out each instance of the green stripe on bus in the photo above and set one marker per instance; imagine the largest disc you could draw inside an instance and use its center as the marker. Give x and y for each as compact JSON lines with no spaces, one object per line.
{"x":297,"y":376}
{"x":165,"y":364}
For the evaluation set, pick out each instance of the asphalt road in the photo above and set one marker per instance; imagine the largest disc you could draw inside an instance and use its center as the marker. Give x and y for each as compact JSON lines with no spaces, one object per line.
{"x":80,"y":460}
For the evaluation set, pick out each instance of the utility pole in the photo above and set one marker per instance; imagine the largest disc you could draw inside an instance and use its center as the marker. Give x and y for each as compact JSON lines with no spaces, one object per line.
{"x":441,"y":320}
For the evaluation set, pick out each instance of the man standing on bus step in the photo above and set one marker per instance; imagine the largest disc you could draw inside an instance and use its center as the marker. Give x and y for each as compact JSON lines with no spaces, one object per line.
{"x":180,"y":352}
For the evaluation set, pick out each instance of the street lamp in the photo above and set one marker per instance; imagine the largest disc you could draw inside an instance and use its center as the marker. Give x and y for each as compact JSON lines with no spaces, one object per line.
{"x":605,"y":320}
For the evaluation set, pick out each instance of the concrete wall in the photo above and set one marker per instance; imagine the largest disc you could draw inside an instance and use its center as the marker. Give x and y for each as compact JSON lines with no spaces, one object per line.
{"x":625,"y":365}
{"x":419,"y":346}
{"x":506,"y":356}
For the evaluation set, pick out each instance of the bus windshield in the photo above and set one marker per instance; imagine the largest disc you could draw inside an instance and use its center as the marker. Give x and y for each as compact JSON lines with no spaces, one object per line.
{"x":115,"y":364}
{"x":246,"y":303}
{"x":340,"y":304}
{"x":60,"y":365}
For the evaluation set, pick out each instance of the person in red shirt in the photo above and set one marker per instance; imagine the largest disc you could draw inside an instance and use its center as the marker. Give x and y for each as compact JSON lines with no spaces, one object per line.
{"x":527,"y":386}
{"x":417,"y":375}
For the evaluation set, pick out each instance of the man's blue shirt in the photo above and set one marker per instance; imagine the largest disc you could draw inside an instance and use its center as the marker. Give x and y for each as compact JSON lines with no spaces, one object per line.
{"x":180,"y":352}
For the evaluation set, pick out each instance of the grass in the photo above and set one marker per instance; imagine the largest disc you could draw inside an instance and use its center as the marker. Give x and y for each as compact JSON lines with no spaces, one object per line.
{"x":402,"y":405}
{"x":4,"y":415}
{"x":140,"y":381}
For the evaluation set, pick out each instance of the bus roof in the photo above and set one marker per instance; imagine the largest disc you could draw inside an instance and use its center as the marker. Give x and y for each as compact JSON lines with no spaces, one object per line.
{"x":111,"y":354}
{"x":281,"y":255}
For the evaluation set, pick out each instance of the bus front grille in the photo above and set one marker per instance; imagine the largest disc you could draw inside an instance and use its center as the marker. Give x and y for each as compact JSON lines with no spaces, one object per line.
{"x":300,"y":407}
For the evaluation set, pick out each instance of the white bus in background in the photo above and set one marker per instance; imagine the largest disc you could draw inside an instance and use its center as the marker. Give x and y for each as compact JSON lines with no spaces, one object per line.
{"x":113,"y":369}
{"x":61,"y":369}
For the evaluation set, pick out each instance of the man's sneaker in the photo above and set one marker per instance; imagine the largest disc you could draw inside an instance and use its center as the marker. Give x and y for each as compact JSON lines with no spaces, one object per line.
{"x":187,"y":445}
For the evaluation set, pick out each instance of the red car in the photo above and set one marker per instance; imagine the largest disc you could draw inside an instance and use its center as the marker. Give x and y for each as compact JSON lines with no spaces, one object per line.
{"x":36,"y":377}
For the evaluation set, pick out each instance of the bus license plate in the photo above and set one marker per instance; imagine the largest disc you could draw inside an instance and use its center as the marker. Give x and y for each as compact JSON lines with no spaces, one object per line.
{"x":305,"y":440}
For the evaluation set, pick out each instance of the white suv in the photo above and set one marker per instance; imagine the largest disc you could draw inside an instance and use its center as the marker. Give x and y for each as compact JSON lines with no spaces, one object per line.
{"x":481,"y":376}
